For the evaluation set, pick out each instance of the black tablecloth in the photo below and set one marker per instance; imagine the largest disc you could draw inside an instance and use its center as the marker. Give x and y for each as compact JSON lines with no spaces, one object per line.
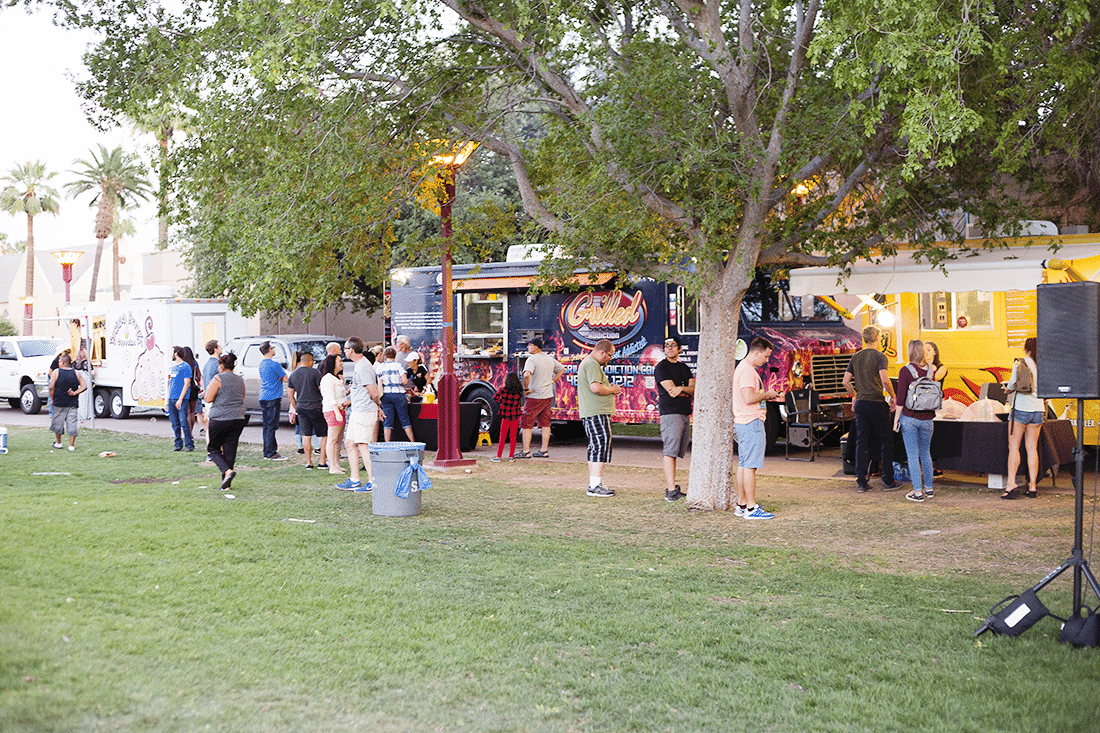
{"x":982,"y":447}
{"x":426,"y":429}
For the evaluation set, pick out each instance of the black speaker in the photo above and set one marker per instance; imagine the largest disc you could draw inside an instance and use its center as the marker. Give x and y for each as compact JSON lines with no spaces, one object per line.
{"x":1068,"y":321}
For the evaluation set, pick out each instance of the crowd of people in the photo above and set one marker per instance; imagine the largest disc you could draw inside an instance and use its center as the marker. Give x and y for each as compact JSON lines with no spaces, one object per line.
{"x":343,"y":413}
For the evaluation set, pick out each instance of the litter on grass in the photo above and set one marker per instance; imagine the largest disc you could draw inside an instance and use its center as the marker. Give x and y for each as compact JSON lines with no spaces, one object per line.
{"x":107,"y":454}
{"x":51,"y":473}
{"x":307,"y":521}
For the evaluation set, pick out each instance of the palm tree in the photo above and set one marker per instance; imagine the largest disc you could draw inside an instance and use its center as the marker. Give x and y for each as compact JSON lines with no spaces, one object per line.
{"x":28,"y":193}
{"x":118,"y":178}
{"x":123,"y":227}
{"x":163,"y":123}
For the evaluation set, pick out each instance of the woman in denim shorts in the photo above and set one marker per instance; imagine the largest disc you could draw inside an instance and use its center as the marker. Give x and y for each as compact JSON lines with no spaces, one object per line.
{"x":1026,"y":419}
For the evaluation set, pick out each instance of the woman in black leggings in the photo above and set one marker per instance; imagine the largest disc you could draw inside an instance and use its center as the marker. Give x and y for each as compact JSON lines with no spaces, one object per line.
{"x":226,"y":419}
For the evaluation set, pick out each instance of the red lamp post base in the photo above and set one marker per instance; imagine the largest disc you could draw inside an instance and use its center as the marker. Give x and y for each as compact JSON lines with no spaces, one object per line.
{"x":448,"y":454}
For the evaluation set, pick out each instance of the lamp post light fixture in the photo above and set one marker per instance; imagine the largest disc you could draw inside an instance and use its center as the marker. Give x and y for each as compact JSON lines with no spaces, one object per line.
{"x":28,"y":314}
{"x":448,"y":453}
{"x":67,"y":259}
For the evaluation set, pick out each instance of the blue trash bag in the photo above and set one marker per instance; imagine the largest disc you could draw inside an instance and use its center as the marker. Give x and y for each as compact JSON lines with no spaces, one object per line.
{"x":404,"y":481}
{"x":901,"y":471}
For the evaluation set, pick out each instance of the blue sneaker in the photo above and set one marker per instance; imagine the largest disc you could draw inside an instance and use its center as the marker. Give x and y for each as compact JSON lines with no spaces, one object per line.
{"x":758,"y":513}
{"x":365,"y":487}
{"x":349,"y":485}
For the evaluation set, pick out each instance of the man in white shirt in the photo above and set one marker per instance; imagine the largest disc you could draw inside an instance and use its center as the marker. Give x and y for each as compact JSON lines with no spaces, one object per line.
{"x":362,"y":427}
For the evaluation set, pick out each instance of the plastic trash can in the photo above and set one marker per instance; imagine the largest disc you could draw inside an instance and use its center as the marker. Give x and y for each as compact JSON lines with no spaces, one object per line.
{"x":389,"y":461}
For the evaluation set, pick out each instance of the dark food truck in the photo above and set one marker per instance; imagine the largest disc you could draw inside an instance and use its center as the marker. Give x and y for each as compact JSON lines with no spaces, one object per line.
{"x":496,"y":315}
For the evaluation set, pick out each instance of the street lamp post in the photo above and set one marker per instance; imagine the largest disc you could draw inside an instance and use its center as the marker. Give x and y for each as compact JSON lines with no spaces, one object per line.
{"x":28,"y":314}
{"x":67,"y":259}
{"x":448,"y":453}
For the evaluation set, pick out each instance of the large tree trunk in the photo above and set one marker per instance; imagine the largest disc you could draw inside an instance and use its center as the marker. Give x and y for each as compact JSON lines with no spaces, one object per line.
{"x":712,"y":483}
{"x":95,"y":269}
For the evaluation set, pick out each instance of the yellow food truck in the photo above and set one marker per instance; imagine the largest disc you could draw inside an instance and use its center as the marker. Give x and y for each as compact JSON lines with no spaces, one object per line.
{"x":978,"y":312}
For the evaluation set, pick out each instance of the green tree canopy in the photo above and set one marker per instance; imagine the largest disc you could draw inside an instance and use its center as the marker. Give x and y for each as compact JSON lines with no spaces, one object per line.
{"x":731,"y":134}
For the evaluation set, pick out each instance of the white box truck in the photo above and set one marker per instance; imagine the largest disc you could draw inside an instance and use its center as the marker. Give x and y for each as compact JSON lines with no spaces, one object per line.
{"x":131,"y":345}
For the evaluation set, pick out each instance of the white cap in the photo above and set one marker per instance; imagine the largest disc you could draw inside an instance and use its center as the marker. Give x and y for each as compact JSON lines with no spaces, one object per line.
{"x":413,"y":356}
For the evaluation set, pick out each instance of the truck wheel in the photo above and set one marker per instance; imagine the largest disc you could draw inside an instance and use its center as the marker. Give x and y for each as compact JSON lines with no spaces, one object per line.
{"x":101,"y":399}
{"x":29,"y":401}
{"x":771,"y":427}
{"x":118,"y":410}
{"x":489,"y":422}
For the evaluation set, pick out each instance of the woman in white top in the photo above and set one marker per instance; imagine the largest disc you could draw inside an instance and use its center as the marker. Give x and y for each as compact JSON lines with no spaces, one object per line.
{"x":333,"y":399}
{"x":1025,"y":419}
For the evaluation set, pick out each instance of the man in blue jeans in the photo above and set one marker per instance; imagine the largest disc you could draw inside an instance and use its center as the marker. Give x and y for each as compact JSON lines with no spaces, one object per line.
{"x":272,"y":376}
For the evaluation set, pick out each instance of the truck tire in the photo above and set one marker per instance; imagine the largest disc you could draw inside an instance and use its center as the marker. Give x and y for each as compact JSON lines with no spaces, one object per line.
{"x":490,"y":423}
{"x":29,"y":400}
{"x":101,"y":399}
{"x":119,"y":411}
{"x":771,"y":427}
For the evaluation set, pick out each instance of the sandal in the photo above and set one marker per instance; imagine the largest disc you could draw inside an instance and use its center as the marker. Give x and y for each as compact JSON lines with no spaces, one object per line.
{"x":1031,"y":493}
{"x":1012,"y":493}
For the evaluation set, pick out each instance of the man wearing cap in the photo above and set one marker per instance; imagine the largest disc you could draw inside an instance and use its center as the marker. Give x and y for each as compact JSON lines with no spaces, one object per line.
{"x":675,"y":388}
{"x":539,"y":374}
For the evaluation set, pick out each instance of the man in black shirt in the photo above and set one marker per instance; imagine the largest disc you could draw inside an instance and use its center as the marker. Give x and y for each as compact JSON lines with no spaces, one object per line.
{"x":675,"y":388}
{"x":65,"y":385}
{"x":867,"y":382}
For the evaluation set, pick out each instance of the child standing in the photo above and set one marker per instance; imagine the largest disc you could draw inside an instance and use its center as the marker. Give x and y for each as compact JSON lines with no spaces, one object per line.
{"x":508,"y":398}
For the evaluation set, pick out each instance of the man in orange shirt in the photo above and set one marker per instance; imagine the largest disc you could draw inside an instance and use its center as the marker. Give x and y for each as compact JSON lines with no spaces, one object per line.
{"x":749,"y":414}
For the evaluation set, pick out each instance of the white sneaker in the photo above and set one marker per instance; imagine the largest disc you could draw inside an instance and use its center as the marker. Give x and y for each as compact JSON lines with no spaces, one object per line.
{"x":758,"y":513}
{"x":72,"y":447}
{"x":739,"y":511}
{"x":56,"y":446}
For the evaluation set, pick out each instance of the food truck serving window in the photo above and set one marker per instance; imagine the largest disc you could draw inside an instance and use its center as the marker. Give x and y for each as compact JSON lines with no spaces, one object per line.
{"x":482,"y":321}
{"x":972,"y":311}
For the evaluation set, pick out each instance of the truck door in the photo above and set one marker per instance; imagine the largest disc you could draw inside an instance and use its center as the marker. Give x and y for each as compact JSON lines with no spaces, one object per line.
{"x":206,"y":327}
{"x":9,"y":370}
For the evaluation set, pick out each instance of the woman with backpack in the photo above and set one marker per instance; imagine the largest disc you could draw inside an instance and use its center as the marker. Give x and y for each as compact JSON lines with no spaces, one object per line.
{"x":1025,"y":420}
{"x":916,"y":425}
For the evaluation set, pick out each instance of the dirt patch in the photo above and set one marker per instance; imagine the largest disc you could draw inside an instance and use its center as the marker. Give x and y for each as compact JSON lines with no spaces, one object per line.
{"x":966,"y":529}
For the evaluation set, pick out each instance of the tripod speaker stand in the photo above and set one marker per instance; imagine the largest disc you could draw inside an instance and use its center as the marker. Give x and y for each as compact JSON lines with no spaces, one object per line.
{"x":1062,"y":310}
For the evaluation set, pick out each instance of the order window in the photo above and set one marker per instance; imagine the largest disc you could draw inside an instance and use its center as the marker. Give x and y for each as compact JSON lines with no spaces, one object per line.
{"x":972,"y":311}
{"x":482,"y":320}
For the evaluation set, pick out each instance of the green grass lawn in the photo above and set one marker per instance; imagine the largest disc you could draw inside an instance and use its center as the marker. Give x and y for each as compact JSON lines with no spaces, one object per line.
{"x":131,"y":602}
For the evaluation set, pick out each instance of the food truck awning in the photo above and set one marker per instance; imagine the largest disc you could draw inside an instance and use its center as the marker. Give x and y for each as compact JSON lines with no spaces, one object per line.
{"x":998,"y":270}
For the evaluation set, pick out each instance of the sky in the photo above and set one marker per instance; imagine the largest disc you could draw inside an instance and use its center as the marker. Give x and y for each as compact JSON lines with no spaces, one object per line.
{"x":41,"y":119}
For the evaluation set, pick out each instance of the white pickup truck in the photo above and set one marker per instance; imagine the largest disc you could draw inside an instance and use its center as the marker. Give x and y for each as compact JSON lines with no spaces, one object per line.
{"x":25,"y":370}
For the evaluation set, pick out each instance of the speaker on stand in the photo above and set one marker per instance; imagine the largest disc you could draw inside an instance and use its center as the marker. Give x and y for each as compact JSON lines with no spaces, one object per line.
{"x":1068,"y":364}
